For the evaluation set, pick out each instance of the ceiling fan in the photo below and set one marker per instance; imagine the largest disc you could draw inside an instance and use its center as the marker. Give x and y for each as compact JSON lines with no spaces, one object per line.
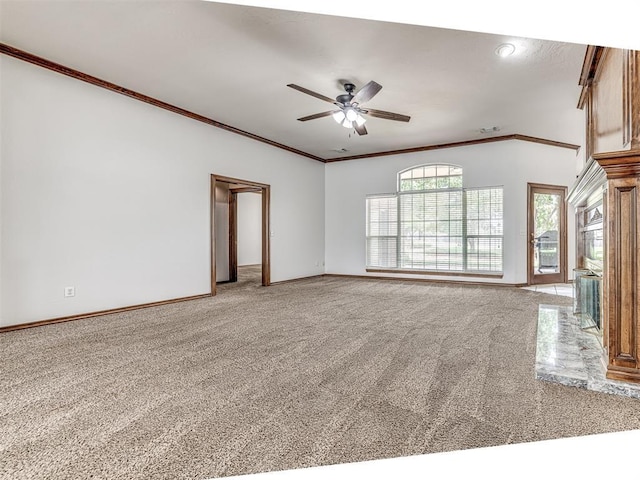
{"x":350,"y":113}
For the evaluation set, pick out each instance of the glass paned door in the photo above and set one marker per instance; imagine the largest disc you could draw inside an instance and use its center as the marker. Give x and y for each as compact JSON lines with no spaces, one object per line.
{"x":547,"y":245}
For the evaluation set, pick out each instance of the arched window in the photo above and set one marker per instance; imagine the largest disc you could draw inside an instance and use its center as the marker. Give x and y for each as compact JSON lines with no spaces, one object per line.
{"x":430,"y":177}
{"x":433,"y":224}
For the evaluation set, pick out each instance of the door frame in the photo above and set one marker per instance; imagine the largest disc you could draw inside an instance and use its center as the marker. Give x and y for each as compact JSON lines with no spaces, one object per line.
{"x":246,"y":185}
{"x":233,"y":227}
{"x":562,"y":276}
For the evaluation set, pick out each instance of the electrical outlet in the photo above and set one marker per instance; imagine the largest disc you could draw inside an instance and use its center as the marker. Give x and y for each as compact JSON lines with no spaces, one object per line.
{"x":69,"y":291}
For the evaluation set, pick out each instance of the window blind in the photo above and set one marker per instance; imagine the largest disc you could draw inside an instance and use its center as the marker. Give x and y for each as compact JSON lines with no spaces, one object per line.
{"x":441,"y":227}
{"x":484,"y":222}
{"x":382,"y":231}
{"x":431,"y":230}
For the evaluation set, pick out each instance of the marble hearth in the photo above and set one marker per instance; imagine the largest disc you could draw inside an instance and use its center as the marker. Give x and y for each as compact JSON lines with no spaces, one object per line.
{"x":571,"y":354}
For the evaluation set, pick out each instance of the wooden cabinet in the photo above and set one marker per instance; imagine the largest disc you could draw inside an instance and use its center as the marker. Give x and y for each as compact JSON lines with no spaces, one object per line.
{"x":611,"y":97}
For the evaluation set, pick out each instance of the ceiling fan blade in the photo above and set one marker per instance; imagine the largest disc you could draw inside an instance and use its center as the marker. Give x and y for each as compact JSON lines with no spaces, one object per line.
{"x":367,"y":92}
{"x":387,"y":115}
{"x":361,"y":129}
{"x":316,"y":115}
{"x":312,"y":93}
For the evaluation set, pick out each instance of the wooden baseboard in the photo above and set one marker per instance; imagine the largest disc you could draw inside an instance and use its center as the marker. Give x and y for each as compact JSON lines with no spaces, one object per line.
{"x":428,"y":280}
{"x":81,"y":316}
{"x":404,"y":279}
{"x":406,"y":271}
{"x":297,"y":279}
{"x":627,"y":375}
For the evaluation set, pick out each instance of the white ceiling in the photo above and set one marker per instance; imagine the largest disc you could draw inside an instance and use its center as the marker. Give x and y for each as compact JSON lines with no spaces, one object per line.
{"x":232,"y":63}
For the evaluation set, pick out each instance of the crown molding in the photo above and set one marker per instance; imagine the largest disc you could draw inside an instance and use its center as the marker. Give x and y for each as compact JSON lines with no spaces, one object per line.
{"x":620,"y":164}
{"x":70,"y":72}
{"x":592,"y":57}
{"x":424,"y":148}
{"x":590,"y":179}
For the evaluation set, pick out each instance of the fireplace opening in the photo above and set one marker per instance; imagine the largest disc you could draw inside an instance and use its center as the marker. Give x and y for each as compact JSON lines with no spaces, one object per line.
{"x":587,"y":299}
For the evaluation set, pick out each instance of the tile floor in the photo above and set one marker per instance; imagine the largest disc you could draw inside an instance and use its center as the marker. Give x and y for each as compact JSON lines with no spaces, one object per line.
{"x":564,"y":289}
{"x":569,"y":352}
{"x":569,"y":349}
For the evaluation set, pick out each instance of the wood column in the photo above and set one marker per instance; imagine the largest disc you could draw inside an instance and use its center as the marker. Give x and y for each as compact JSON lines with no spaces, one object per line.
{"x":621,"y":287}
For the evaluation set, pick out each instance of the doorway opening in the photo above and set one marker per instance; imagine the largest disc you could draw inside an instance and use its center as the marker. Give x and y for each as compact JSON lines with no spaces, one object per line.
{"x":546,"y":234}
{"x":225,"y":269}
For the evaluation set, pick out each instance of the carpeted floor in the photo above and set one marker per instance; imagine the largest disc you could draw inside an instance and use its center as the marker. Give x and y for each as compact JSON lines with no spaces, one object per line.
{"x":320,"y":371}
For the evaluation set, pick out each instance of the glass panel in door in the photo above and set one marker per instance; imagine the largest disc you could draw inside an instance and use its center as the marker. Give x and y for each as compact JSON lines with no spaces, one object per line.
{"x":546,"y":245}
{"x":546,"y":257}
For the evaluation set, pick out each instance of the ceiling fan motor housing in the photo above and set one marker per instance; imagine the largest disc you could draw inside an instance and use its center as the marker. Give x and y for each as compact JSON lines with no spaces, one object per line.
{"x":346,"y":98}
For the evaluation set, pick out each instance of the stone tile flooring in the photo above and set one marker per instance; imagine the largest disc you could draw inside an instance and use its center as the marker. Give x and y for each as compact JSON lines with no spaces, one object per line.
{"x":564,"y":289}
{"x":569,"y":352}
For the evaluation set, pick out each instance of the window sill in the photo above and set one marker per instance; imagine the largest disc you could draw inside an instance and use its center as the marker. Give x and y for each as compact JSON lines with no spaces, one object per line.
{"x":436,"y":272}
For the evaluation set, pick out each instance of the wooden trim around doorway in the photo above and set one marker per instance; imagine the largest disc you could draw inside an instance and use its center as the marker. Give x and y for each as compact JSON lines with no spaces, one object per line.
{"x":552,"y":189}
{"x":266,"y":240}
{"x":233,"y":236}
{"x":244,"y":185}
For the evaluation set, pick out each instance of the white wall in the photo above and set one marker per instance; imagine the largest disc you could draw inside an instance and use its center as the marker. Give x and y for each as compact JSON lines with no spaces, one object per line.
{"x":249,"y":228}
{"x":510,"y":163}
{"x":110,"y":195}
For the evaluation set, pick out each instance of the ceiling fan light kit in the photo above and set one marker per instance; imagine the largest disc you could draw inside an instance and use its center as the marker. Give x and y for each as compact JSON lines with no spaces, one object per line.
{"x":351,"y":113}
{"x":338,"y":116}
{"x":348,"y":117}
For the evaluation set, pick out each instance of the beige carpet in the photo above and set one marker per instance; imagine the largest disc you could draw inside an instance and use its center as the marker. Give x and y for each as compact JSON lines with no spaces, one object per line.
{"x":320,"y":371}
